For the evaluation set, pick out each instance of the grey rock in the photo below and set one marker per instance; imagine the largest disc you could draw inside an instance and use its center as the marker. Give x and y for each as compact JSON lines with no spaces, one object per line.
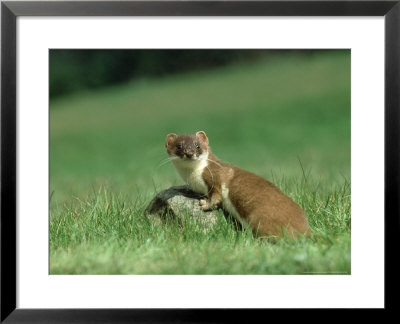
{"x":180,"y":202}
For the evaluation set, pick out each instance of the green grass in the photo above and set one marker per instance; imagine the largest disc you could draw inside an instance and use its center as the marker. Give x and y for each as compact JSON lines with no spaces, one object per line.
{"x":286,"y":119}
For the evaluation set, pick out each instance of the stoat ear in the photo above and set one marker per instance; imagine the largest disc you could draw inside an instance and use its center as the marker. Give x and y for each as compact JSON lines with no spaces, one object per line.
{"x":203,"y":137}
{"x":170,"y":138}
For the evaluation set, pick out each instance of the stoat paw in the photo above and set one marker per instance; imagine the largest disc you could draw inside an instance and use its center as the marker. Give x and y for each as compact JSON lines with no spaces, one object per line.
{"x":204,"y":204}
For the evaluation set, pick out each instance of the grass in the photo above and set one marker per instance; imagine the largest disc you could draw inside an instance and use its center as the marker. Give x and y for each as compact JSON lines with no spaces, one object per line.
{"x":287,"y":119}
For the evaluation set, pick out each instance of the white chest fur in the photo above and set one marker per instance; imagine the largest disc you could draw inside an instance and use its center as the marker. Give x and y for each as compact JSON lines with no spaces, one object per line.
{"x":191,"y":172}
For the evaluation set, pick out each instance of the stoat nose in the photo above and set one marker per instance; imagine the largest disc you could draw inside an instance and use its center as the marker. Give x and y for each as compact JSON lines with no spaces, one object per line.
{"x":189,"y":154}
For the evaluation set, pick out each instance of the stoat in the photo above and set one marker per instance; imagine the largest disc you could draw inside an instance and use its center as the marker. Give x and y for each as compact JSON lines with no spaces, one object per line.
{"x":252,"y":200}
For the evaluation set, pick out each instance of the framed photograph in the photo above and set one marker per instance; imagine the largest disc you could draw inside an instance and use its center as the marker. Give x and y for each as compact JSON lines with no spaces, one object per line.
{"x":163,"y":158}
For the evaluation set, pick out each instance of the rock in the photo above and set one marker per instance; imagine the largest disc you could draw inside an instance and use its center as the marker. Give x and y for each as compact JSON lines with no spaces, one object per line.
{"x":178,"y":202}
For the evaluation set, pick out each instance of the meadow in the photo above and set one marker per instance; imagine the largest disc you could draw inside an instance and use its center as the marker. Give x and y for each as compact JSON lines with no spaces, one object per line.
{"x":286,"y":118}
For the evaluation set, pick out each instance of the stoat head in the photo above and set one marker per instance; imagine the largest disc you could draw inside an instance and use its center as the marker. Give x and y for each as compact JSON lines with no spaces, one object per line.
{"x":187,"y":147}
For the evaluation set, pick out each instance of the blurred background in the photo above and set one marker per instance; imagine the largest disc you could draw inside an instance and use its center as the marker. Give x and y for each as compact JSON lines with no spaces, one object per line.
{"x":278,"y":113}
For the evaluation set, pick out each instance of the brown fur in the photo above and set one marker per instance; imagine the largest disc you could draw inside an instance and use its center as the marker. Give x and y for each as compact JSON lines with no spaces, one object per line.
{"x":267,"y":210}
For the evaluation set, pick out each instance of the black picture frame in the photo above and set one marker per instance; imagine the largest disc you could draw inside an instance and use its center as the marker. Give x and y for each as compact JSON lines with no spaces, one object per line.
{"x":10,"y":10}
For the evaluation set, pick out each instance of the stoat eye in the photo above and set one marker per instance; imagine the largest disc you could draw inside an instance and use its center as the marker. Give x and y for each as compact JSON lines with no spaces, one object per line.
{"x":197,"y":146}
{"x":179,"y":146}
